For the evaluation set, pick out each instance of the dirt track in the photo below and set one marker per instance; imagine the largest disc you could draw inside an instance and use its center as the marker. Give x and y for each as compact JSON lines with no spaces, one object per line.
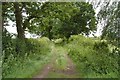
{"x":68,"y":70}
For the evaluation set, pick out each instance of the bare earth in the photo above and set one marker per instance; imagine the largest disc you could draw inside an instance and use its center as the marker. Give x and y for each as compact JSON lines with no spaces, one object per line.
{"x":69,"y":70}
{"x":50,"y":70}
{"x":45,"y":70}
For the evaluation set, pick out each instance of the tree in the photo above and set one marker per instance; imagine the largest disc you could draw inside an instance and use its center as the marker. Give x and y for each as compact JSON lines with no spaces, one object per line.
{"x":14,"y":12}
{"x":83,"y":21}
{"x":53,"y":15}
{"x":18,"y":16}
{"x":75,"y":18}
{"x":52,"y":19}
{"x":21,"y":13}
{"x":110,"y":14}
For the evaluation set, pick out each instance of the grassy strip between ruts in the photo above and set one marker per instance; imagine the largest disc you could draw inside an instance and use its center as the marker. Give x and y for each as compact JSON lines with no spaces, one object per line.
{"x":61,"y":66}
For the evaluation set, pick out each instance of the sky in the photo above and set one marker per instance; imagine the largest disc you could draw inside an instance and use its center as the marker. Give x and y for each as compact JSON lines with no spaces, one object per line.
{"x":12,"y":28}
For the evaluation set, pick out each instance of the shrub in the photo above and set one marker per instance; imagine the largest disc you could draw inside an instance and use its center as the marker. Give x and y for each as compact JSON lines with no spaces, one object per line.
{"x":92,"y":57}
{"x":35,"y":51}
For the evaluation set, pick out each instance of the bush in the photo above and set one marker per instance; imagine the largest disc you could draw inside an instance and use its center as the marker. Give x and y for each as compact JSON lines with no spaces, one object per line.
{"x":8,"y":44}
{"x":100,"y":45}
{"x":35,"y":55}
{"x":92,"y":57}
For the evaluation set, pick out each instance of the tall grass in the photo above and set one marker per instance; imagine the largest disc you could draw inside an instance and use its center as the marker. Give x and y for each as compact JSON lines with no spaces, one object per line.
{"x":93,"y":57}
{"x":37,"y":54}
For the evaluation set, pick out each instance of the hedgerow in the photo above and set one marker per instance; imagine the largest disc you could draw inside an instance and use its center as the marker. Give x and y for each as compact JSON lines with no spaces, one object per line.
{"x":93,"y":57}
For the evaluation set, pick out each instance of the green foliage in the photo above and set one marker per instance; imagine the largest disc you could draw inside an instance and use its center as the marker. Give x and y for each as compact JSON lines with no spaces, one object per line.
{"x":93,"y":58}
{"x":8,"y":45}
{"x":57,"y":21}
{"x":52,"y":19}
{"x":26,"y":66}
{"x":38,"y":46}
{"x":60,"y":60}
{"x":110,"y":14}
{"x":58,"y":41}
{"x":83,"y":21}
{"x":100,"y":45}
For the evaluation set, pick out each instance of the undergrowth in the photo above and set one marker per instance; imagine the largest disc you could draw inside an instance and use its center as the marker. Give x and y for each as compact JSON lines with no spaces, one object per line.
{"x":93,"y":57}
{"x":37,"y":54}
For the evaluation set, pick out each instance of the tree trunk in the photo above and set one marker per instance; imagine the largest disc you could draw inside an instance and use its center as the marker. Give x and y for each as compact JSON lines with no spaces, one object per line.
{"x":49,"y":32}
{"x":18,"y":16}
{"x":20,"y":44}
